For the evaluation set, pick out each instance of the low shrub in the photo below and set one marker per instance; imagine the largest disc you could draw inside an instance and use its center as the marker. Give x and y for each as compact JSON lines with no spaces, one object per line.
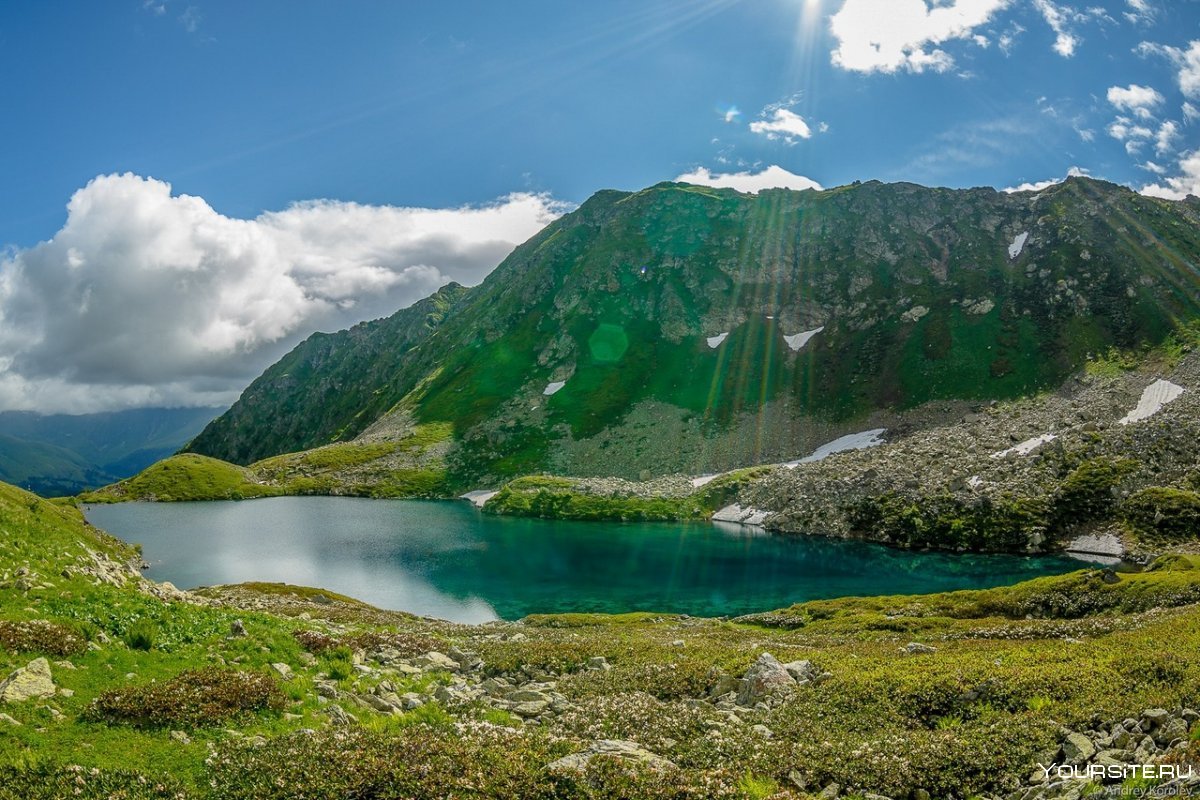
{"x":1162,"y":513}
{"x":407,"y":644}
{"x":140,"y":635}
{"x":945,"y":522}
{"x":194,"y":698}
{"x":51,"y":782}
{"x":40,"y":636}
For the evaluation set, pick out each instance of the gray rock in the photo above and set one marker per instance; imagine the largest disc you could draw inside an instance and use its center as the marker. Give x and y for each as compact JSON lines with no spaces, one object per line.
{"x":1169,"y":731}
{"x":802,"y":670}
{"x":766,"y":677}
{"x":284,"y":670}
{"x":237,"y":628}
{"x":1077,"y":748}
{"x":598,"y":663}
{"x":530,"y":708}
{"x":181,"y":737}
{"x":434,"y":660}
{"x":28,"y":682}
{"x":380,"y":704}
{"x":612,"y":748}
{"x":914,"y":648}
{"x":8,"y":720}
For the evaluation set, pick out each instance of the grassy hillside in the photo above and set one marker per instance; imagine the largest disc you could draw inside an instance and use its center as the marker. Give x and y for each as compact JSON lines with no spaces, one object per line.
{"x":329,"y":388}
{"x":271,"y":691}
{"x":410,"y":463}
{"x":920,"y":295}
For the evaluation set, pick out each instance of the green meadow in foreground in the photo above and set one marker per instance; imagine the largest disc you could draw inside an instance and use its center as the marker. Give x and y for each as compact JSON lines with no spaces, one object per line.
{"x":266,"y":690}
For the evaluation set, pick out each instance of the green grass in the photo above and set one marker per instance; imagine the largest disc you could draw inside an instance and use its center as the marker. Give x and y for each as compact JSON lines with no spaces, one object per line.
{"x":390,"y":469}
{"x":185,"y":477}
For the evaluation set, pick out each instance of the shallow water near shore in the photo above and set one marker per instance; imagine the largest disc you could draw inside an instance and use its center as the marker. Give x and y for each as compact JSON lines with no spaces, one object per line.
{"x":448,"y":560}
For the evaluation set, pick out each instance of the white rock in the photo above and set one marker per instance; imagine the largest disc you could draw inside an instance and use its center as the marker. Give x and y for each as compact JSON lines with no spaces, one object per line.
{"x":552,"y":387}
{"x":914,"y":314}
{"x":703,"y":479}
{"x":851,"y":441}
{"x":1154,"y":397}
{"x":1018,"y":244}
{"x":715,"y":341}
{"x":798,"y":340}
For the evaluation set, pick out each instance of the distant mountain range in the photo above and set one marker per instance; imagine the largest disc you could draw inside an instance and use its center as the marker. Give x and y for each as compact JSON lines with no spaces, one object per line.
{"x":63,"y":454}
{"x":689,"y":329}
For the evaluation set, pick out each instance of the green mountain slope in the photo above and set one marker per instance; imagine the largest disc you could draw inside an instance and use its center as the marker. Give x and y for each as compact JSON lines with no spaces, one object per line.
{"x":329,"y":387}
{"x":670,"y":316}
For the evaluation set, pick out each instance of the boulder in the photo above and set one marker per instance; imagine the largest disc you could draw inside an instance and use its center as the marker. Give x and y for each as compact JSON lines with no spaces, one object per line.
{"x":611,"y":748}
{"x":915,"y":648}
{"x":30,"y":681}
{"x":530,"y":708}
{"x":766,"y":677}
{"x":1077,"y":748}
{"x":802,"y":670}
{"x":434,"y":660}
{"x":598,"y":663}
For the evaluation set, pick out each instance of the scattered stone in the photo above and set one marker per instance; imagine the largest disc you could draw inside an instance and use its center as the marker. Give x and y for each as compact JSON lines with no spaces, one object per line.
{"x":613,"y":748}
{"x":598,"y":663}
{"x":181,"y":737}
{"x":28,"y":682}
{"x":530,"y":708}
{"x":434,"y":660}
{"x":6,"y":719}
{"x":1077,"y":748}
{"x":914,"y":648}
{"x":237,"y":628}
{"x":766,"y":677}
{"x":284,"y":670}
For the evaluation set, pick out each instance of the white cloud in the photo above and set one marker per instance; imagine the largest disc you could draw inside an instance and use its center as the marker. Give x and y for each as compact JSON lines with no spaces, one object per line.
{"x":1188,"y":62}
{"x":1157,"y":169}
{"x":1140,"y":11}
{"x":893,"y":35}
{"x":1164,"y":140}
{"x":1073,"y":172}
{"x":1137,"y":100}
{"x":1190,"y":112}
{"x":1180,"y":186}
{"x":1124,"y":129}
{"x":731,"y":114}
{"x":145,"y":298}
{"x":782,"y":124}
{"x":773,"y":177}
{"x":1059,"y":18}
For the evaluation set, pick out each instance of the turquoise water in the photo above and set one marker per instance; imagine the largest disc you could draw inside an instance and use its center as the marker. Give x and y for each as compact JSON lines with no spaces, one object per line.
{"x":448,"y":560}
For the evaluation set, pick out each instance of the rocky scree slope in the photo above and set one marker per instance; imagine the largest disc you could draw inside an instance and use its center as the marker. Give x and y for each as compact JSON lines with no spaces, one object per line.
{"x":688,"y":329}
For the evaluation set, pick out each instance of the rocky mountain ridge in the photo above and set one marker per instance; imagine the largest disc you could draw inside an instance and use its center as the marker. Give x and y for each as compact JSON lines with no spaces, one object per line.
{"x":689,"y":329}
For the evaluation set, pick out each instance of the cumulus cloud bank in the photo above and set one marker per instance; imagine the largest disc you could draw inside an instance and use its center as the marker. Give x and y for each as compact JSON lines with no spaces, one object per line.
{"x":892,"y":35}
{"x":145,"y":298}
{"x":773,"y":177}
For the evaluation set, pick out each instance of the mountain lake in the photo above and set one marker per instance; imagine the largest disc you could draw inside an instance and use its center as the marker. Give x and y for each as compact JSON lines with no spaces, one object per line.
{"x":447,"y":559}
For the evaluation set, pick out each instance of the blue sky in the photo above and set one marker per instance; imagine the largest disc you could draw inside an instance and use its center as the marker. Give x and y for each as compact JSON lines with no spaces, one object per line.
{"x":255,"y":105}
{"x":213,"y":120}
